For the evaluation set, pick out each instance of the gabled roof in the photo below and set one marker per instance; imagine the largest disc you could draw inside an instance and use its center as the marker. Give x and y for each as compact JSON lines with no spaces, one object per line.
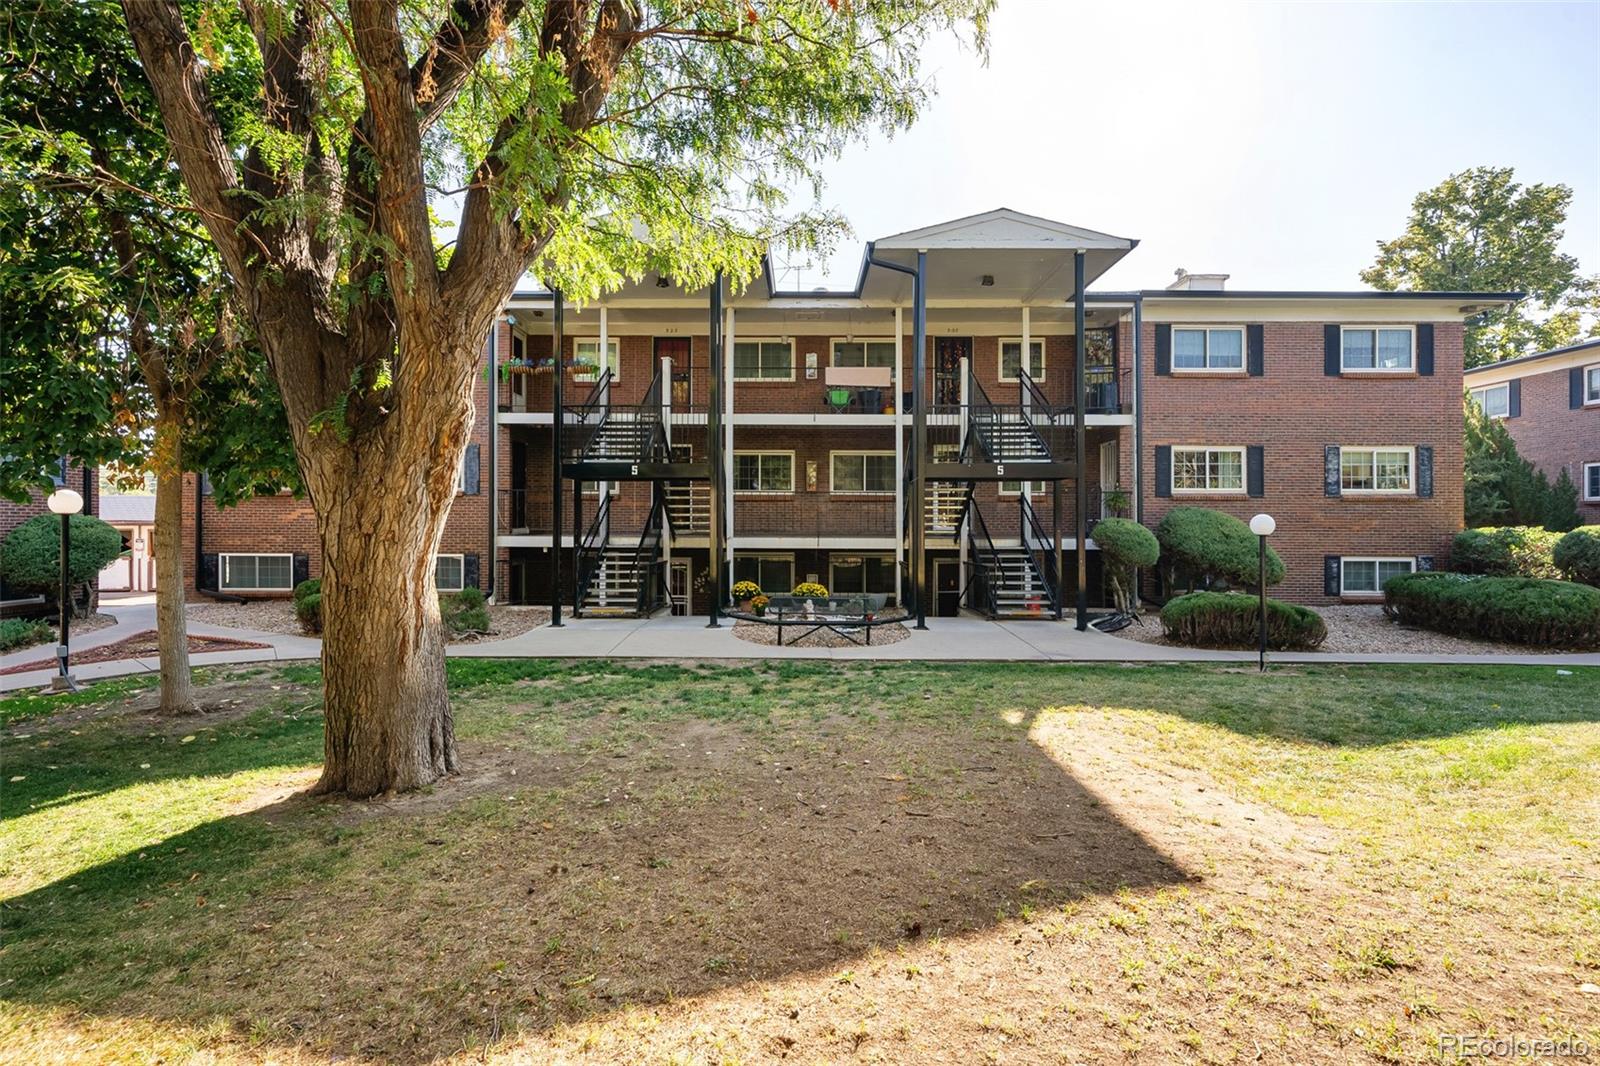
{"x":1002,"y":228}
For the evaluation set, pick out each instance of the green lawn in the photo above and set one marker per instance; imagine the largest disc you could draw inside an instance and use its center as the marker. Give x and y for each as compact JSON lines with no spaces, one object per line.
{"x":726,"y":863}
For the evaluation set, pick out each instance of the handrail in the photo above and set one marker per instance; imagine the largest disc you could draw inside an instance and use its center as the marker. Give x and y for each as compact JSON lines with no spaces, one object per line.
{"x":602,"y":385}
{"x":1030,"y":390}
{"x":591,"y":549}
{"x":989,"y":565}
{"x":652,"y":525}
{"x":1031,"y":526}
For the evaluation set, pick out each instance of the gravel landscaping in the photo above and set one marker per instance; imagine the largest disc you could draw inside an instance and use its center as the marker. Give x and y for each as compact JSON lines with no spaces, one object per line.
{"x":1362,"y":628}
{"x":277,"y":616}
{"x":764,"y":633}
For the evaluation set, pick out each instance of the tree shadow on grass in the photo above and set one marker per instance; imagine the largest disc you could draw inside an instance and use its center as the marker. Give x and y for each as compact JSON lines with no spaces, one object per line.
{"x":653,"y":862}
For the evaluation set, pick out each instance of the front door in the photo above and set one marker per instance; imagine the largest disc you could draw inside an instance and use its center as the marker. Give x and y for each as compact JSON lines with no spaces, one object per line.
{"x":948,"y":352}
{"x":678,"y":586}
{"x":1110,"y":474}
{"x":946,"y":588}
{"x":677,"y":349}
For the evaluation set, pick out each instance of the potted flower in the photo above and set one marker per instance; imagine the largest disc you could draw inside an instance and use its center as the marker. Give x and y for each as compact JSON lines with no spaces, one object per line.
{"x":758,"y":604}
{"x":744,"y":592}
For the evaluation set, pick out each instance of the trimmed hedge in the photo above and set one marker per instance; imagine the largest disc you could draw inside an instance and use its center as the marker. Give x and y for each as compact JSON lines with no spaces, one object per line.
{"x":23,"y":633}
{"x":1505,"y":551}
{"x":1201,"y":548}
{"x":1232,"y":620}
{"x":1518,"y":610}
{"x":1577,"y":555}
{"x":30,"y":557}
{"x":1124,"y":545}
{"x":465,"y":612}
{"x":308,"y":605}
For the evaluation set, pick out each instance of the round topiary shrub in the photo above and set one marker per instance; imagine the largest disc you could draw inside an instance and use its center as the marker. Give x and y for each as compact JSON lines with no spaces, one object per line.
{"x":1124,"y":545}
{"x":308,"y":605}
{"x":1518,"y":610}
{"x":1577,"y":555}
{"x":30,"y":557}
{"x":1505,"y":551}
{"x":1202,"y":548}
{"x":1232,"y":620}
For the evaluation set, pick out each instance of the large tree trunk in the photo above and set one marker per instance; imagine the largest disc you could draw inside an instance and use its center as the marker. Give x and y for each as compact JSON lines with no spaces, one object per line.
{"x":172,"y":631}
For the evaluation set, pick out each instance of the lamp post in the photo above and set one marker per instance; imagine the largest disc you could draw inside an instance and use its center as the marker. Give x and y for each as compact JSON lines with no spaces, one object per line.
{"x":65,"y":503}
{"x":1262,"y":525}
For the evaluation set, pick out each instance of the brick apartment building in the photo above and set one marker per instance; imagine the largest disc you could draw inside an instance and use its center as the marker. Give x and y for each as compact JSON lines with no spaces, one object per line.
{"x":1551,"y":406}
{"x":713,"y":436}
{"x":66,"y":474}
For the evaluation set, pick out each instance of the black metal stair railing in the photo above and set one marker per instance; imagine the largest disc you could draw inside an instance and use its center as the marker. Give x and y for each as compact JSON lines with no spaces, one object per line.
{"x":591,"y":552}
{"x":1004,"y":431}
{"x":986,"y":567}
{"x":620,"y":433}
{"x":1038,"y":543}
{"x":648,"y":570}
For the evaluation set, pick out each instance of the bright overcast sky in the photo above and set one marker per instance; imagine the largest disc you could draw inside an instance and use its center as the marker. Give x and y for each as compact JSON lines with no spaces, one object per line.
{"x":1273,"y":142}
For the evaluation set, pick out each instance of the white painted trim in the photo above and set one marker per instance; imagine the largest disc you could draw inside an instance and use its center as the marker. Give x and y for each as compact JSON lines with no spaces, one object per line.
{"x":530,"y":540}
{"x":732,"y":345}
{"x":863,"y":452}
{"x":1000,"y":358}
{"x":1479,"y":394}
{"x":816,"y":543}
{"x":222,"y":564}
{"x":835,"y":341}
{"x":460,"y":558}
{"x":1244,"y":469}
{"x":788,"y":453}
{"x":1591,"y":392}
{"x":1209,"y":328}
{"x":1374,"y":328}
{"x":1345,"y":560}
{"x":1477,"y":377}
{"x":1586,"y":497}
{"x":1411,"y":473}
{"x":613,"y":346}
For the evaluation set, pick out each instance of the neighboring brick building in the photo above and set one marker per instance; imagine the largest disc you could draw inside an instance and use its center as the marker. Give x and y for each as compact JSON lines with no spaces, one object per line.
{"x":1337,"y":412}
{"x":68,"y":474}
{"x":1551,"y":406}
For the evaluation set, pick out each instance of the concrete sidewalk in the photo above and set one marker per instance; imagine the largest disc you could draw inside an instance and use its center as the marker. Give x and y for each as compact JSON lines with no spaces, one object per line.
{"x":945,"y":639}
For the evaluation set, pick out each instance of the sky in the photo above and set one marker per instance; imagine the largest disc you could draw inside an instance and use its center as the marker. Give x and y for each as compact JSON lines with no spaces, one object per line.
{"x":1274,"y":142}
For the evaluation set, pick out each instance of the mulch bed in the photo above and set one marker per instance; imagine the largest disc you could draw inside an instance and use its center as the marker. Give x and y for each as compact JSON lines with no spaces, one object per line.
{"x":139,"y":646}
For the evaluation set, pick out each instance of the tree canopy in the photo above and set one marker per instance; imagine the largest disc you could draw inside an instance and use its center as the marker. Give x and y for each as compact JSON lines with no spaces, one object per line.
{"x":1483,"y":231}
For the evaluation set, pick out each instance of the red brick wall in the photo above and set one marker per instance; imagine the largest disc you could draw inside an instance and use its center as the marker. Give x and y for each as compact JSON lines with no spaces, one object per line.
{"x":1293,"y":411}
{"x":1554,"y":436}
{"x":84,"y":482}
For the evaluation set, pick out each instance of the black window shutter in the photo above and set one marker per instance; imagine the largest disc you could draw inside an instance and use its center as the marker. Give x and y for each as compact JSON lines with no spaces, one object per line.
{"x":1424,"y":470}
{"x":1575,"y":387}
{"x":469,"y":571}
{"x":469,"y":473}
{"x":1330,"y":350}
{"x":1255,"y":482}
{"x":1424,"y":562}
{"x":1331,"y":479}
{"x":208,"y":577}
{"x":302,"y":567}
{"x":1425,"y":349}
{"x":1163,"y":470}
{"x":1330,"y":575}
{"x":1255,"y":342}
{"x":1514,"y":400}
{"x":1163,"y":349}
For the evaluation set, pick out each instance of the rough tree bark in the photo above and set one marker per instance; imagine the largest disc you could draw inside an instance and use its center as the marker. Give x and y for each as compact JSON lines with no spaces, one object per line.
{"x":172,"y":631}
{"x":381,"y":482}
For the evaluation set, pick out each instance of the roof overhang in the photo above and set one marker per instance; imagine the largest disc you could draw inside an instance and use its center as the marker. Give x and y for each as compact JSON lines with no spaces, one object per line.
{"x":1214,"y":305}
{"x":1553,"y":361}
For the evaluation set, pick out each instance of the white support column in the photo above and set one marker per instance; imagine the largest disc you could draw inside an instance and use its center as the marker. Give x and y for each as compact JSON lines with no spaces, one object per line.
{"x":667,"y":534}
{"x":727,"y":447}
{"x":899,"y":457}
{"x":605,"y":336}
{"x":1024,"y":364}
{"x":966,"y":520}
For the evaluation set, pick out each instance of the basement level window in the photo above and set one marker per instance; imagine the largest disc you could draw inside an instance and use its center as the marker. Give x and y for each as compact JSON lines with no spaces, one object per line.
{"x":1360,"y":576}
{"x":449,"y":572}
{"x":257,"y":573}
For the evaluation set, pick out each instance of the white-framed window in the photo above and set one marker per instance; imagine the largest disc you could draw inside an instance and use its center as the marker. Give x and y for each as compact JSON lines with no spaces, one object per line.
{"x":770,"y":472}
{"x":856,"y":575}
{"x":873,"y":352}
{"x":592,"y":488}
{"x":1377,"y":470}
{"x":1591,"y":384}
{"x":1365,"y":575}
{"x":773,"y":573}
{"x":256,"y":573}
{"x":1493,"y":400}
{"x":1207,"y":469}
{"x":763,"y":360}
{"x":1014,"y":488}
{"x":1207,"y":348}
{"x":861,"y":473}
{"x":450,"y":572}
{"x":1591,"y":481}
{"x":586,"y":353}
{"x":1379,"y":348}
{"x":1011,"y":358}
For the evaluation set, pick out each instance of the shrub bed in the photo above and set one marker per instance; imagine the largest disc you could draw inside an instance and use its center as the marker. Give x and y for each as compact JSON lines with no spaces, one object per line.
{"x":1518,"y":610}
{"x":1201,"y":548}
{"x":465,"y":612}
{"x":1124,"y":545}
{"x":1577,"y":555}
{"x":1505,"y":551}
{"x":1231,"y":620}
{"x":308,"y":605}
{"x":23,"y":633}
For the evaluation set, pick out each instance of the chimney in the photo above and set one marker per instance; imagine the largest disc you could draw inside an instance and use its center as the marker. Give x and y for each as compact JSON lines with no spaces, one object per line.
{"x":1183,"y":281}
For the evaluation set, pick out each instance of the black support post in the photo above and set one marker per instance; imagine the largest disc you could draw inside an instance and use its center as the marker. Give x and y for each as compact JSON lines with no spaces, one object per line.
{"x":715,"y":457}
{"x":557,"y":424}
{"x":577,"y":538}
{"x":919,"y":438}
{"x":1080,"y":443}
{"x":1055,"y":531}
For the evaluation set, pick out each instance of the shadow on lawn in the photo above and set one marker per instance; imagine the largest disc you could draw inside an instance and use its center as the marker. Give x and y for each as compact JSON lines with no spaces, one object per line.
{"x":692,"y":857}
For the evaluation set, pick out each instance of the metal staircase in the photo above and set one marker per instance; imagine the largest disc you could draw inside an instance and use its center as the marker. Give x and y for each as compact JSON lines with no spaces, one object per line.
{"x":688,"y":505}
{"x":1011,"y":582}
{"x":621,"y":580}
{"x":619,"y":433}
{"x":1005,"y":433}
